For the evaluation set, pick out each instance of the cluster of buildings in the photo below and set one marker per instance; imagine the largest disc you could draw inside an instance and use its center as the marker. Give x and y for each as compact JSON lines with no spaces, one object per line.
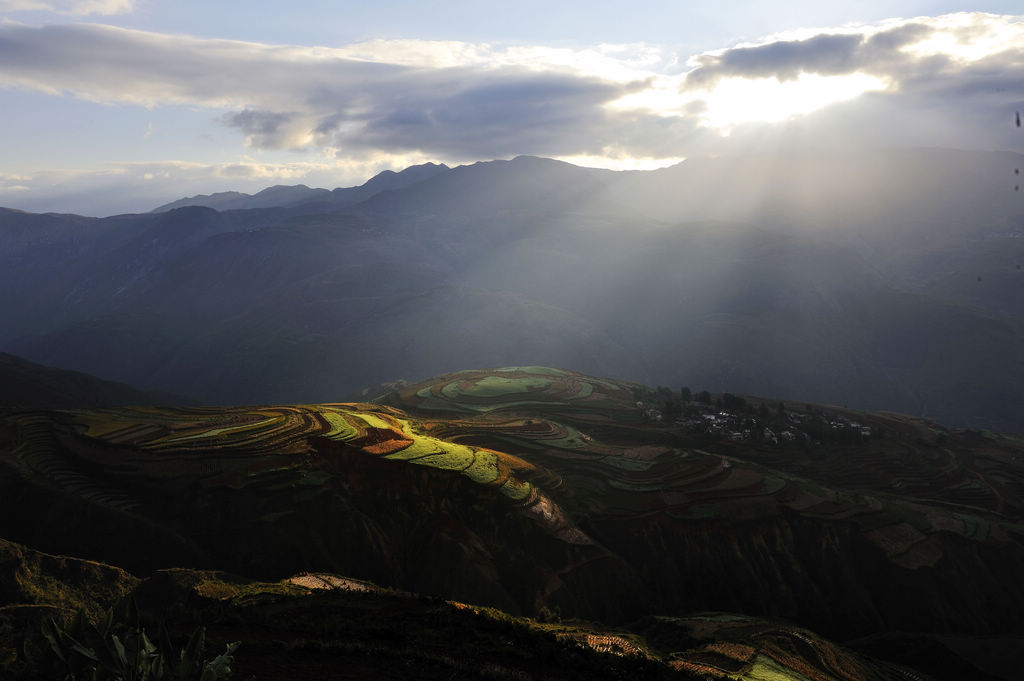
{"x":773,"y":427}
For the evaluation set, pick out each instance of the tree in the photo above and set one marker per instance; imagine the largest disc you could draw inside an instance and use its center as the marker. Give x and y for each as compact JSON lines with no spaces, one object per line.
{"x":733,"y":403}
{"x":671,"y":411}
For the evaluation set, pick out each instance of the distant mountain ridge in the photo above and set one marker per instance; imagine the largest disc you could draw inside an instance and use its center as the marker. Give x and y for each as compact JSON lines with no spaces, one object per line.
{"x":280,"y":196}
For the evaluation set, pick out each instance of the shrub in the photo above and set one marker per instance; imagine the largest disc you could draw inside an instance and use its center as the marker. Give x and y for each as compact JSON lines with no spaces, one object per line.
{"x":121,"y":651}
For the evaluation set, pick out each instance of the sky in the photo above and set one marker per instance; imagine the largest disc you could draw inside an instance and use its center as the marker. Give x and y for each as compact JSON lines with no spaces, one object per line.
{"x":112,"y":106}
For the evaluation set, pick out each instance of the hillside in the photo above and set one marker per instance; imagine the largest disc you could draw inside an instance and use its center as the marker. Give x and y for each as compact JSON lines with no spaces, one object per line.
{"x":26,"y":384}
{"x":538,"y":490}
{"x":372,"y":631}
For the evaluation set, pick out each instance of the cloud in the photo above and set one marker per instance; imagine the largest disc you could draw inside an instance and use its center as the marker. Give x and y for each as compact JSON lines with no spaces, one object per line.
{"x":73,"y":7}
{"x":621,"y":62}
{"x":262,"y":128}
{"x":307,"y":97}
{"x":948,"y":81}
{"x":456,"y":100}
{"x":938,"y":81}
{"x":506,"y":115}
{"x":10,"y":183}
{"x":827,"y":54}
{"x":903,"y":52}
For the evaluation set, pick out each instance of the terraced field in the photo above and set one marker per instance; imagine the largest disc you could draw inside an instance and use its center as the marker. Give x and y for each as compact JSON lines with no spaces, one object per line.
{"x":233,"y":446}
{"x":534,"y":489}
{"x":733,"y":647}
{"x":594,"y":435}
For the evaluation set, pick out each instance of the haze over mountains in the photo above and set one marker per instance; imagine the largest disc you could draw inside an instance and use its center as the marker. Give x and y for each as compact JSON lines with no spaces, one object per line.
{"x":875,"y":279}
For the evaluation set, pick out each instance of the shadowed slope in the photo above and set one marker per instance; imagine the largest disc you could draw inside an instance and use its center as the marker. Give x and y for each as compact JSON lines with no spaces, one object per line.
{"x":323,"y":625}
{"x":26,"y":384}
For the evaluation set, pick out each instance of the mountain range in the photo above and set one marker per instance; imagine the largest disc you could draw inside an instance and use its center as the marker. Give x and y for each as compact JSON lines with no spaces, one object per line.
{"x":874,"y":279}
{"x":283,"y":195}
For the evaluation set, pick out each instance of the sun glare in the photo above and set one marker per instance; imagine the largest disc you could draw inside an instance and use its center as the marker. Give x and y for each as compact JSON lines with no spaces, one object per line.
{"x":734,"y":101}
{"x":768,"y":100}
{"x":969,"y":37}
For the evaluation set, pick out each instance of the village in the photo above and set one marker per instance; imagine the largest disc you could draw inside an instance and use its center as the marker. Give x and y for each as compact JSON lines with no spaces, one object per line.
{"x":733,"y":418}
